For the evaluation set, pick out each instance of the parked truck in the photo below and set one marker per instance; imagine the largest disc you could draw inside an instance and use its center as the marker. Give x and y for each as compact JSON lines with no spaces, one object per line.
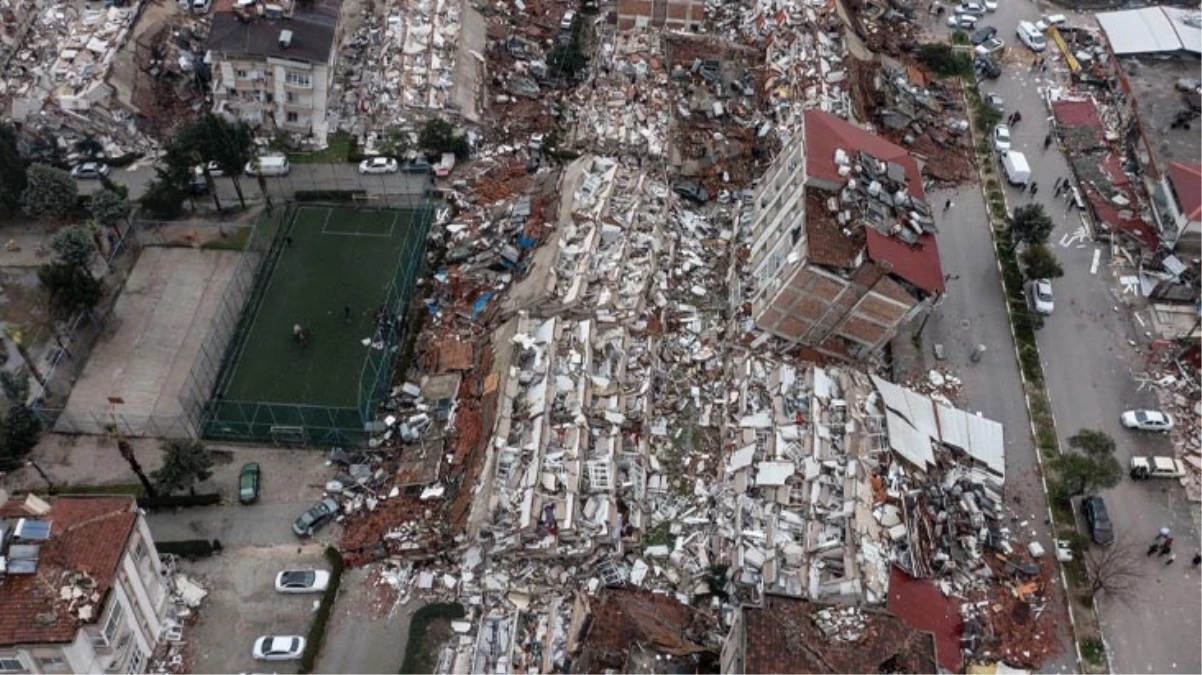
{"x":1018,"y":171}
{"x":444,"y":166}
{"x":1143,"y":468}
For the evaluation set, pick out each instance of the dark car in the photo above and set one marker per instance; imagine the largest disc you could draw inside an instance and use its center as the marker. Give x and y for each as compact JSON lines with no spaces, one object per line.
{"x":987,"y":68}
{"x":1101,"y":530}
{"x":690,"y":191}
{"x":248,"y":483}
{"x":418,"y":165}
{"x":982,"y":34}
{"x":317,"y":516}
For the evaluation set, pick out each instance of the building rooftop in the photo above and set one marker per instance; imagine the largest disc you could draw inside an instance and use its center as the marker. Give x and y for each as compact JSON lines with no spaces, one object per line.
{"x":826,"y":133}
{"x":787,"y":635}
{"x":1187,"y":183}
{"x":917,"y":263}
{"x":1150,"y":30}
{"x":87,"y":537}
{"x":242,"y":32}
{"x":1153,"y":83}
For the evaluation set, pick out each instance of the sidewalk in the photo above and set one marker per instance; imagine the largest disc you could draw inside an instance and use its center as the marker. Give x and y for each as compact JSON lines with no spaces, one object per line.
{"x":82,"y":460}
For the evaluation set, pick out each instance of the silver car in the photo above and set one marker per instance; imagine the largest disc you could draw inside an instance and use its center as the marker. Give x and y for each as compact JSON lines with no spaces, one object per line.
{"x":1041,"y":293}
{"x":279,"y":648}
{"x":378,"y":165}
{"x":90,"y":170}
{"x":318,"y":515}
{"x":1147,"y":420}
{"x":302,"y":581}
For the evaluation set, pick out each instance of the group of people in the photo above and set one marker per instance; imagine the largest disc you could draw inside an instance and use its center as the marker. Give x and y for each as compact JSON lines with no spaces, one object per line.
{"x":1163,"y":545}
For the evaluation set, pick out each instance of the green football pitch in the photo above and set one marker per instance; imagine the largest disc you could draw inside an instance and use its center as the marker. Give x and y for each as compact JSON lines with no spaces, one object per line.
{"x":332,"y":260}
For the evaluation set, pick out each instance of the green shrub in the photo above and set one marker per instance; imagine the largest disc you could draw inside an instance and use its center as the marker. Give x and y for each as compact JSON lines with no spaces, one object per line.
{"x":189,"y":548}
{"x":1093,"y":650}
{"x":317,"y":629}
{"x":417,"y":652}
{"x":178,"y":501}
{"x":329,"y":195}
{"x":959,"y":37}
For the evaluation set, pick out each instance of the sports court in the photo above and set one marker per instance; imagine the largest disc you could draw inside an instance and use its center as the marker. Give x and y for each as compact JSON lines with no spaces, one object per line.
{"x":342,"y":275}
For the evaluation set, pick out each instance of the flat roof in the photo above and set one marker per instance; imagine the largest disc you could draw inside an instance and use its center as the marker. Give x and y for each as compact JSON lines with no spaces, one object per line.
{"x":1150,"y":30}
{"x":1153,"y":84}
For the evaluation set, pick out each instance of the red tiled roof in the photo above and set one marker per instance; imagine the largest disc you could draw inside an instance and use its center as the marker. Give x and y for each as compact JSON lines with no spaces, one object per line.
{"x":918,"y":264}
{"x":87,"y":534}
{"x":826,"y":133}
{"x":1110,"y":214}
{"x":1078,"y":114}
{"x":782,"y":637}
{"x":923,"y":607}
{"x":1187,"y":183}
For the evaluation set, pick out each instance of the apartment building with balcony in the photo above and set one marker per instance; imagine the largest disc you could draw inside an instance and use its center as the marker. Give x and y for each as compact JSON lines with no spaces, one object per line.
{"x":273,"y":64}
{"x":843,"y":249}
{"x":1177,"y":202}
{"x":81,"y":587}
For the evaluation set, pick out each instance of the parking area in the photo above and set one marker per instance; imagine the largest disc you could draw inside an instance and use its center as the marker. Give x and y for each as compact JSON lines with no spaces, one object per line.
{"x":365,"y":635}
{"x":243,"y":605}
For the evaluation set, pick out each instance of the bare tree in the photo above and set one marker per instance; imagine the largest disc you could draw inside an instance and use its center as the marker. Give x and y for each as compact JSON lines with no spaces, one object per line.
{"x":1113,"y":572}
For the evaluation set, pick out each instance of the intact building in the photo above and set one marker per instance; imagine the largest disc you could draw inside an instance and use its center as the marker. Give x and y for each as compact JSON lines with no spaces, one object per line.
{"x":81,"y":587}
{"x":273,"y":64}
{"x":686,"y":15}
{"x":843,"y":247}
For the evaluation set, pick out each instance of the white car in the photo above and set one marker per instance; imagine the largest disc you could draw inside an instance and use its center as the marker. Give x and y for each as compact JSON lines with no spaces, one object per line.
{"x":1147,"y":420}
{"x":1051,"y":20}
{"x":1001,"y":138}
{"x":990,"y":46}
{"x":376,"y":165}
{"x":965,"y":21}
{"x":990,"y":5}
{"x":302,"y":581}
{"x":215,"y":170}
{"x":974,"y":8}
{"x":1041,"y":291}
{"x":279,"y":647}
{"x":90,"y":170}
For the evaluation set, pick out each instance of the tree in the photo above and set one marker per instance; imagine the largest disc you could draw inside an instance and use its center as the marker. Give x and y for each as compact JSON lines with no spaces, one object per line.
{"x":71,"y":288}
{"x":230,"y":145}
{"x":108,"y":208}
{"x":127,"y":453}
{"x":439,"y":136}
{"x":1030,"y":225}
{"x":1113,"y":572}
{"x":49,"y":192}
{"x":20,"y":426}
{"x":182,"y":154}
{"x":1091,"y":469}
{"x":73,"y":246}
{"x":185,"y":463}
{"x":1040,"y":263}
{"x":944,"y":61}
{"x":395,"y":142}
{"x":12,"y":172}
{"x":163,"y":198}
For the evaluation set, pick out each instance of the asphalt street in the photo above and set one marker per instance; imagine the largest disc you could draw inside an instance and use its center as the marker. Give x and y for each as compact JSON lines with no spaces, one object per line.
{"x":1090,"y":365}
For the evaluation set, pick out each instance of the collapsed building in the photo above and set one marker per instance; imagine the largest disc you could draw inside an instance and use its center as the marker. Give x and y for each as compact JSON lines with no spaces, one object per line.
{"x":843,"y":248}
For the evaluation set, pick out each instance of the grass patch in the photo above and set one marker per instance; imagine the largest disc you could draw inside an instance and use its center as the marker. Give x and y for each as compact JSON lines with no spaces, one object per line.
{"x":317,"y":629}
{"x":337,"y":152}
{"x":227,"y":243}
{"x":420,"y":655}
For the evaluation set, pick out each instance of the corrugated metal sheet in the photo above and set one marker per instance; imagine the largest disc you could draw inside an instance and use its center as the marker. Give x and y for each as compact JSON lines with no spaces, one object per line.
{"x":1150,"y":30}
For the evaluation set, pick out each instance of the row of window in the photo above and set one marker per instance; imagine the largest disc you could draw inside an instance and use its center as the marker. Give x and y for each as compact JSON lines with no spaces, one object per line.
{"x":290,"y":78}
{"x":12,"y":664}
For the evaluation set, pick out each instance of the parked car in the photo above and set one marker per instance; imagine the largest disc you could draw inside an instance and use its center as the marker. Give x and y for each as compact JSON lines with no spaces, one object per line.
{"x":1101,"y":530}
{"x":988,"y":69}
{"x":1147,"y":420}
{"x":248,"y":483}
{"x":317,"y":516}
{"x":1142,"y":468}
{"x":1001,"y":138}
{"x":690,"y":191}
{"x":982,"y":34}
{"x":1049,"y":20}
{"x":417,"y":165}
{"x":1041,"y":294}
{"x":90,"y":170}
{"x":990,"y":5}
{"x":973,"y":8}
{"x":1031,"y":36}
{"x":1188,"y":84}
{"x":568,"y":17}
{"x":996,"y":102}
{"x":965,"y":21}
{"x":378,"y":165}
{"x":302,"y":581}
{"x":215,"y":170}
{"x":990,"y":46}
{"x":279,"y":647}
{"x":268,"y":165}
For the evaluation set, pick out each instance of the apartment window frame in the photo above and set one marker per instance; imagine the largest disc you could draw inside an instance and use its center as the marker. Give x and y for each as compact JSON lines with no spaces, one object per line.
{"x":241,"y":74}
{"x":291,"y":98}
{"x":6,"y":667}
{"x":112,"y":624}
{"x":51,"y":662}
{"x":302,"y":80}
{"x":292,"y":118}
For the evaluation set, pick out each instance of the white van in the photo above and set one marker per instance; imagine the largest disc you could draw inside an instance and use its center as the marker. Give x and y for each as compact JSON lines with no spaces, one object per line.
{"x":1031,"y":36}
{"x":1018,"y":172}
{"x":268,"y":165}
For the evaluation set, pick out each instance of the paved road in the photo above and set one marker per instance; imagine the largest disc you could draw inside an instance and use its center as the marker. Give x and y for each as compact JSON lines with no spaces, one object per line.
{"x":1089,"y":367}
{"x":302,"y":177}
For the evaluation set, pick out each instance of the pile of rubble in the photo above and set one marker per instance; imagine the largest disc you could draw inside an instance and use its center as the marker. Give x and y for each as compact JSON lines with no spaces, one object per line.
{"x":186,"y":596}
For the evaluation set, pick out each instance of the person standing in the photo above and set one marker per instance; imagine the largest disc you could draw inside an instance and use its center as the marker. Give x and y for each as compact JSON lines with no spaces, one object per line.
{"x":1034,"y":188}
{"x":947,"y":205}
{"x":1047,"y":141}
{"x":1197,"y":559}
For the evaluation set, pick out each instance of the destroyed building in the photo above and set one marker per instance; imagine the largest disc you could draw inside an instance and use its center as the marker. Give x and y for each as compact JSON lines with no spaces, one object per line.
{"x":81,"y":586}
{"x":788,"y":635}
{"x":1177,"y":203}
{"x":638,"y":631}
{"x":843,"y":248}
{"x":686,"y":15}
{"x":273,"y":64}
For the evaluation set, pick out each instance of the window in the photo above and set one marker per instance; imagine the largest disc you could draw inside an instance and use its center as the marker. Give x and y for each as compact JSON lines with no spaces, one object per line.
{"x":299,"y":79}
{"x":242,"y":74}
{"x":11,"y":664}
{"x":140,"y":551}
{"x":51,"y":662}
{"x":136,"y":661}
{"x":289,"y":97}
{"x":113,"y":622}
{"x":292,"y":117}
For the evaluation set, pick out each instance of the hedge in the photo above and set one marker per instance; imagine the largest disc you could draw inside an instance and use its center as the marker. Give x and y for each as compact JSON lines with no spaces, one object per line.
{"x":189,"y":548}
{"x":317,"y":630}
{"x":329,"y":195}
{"x":177,"y":501}
{"x":415,"y":647}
